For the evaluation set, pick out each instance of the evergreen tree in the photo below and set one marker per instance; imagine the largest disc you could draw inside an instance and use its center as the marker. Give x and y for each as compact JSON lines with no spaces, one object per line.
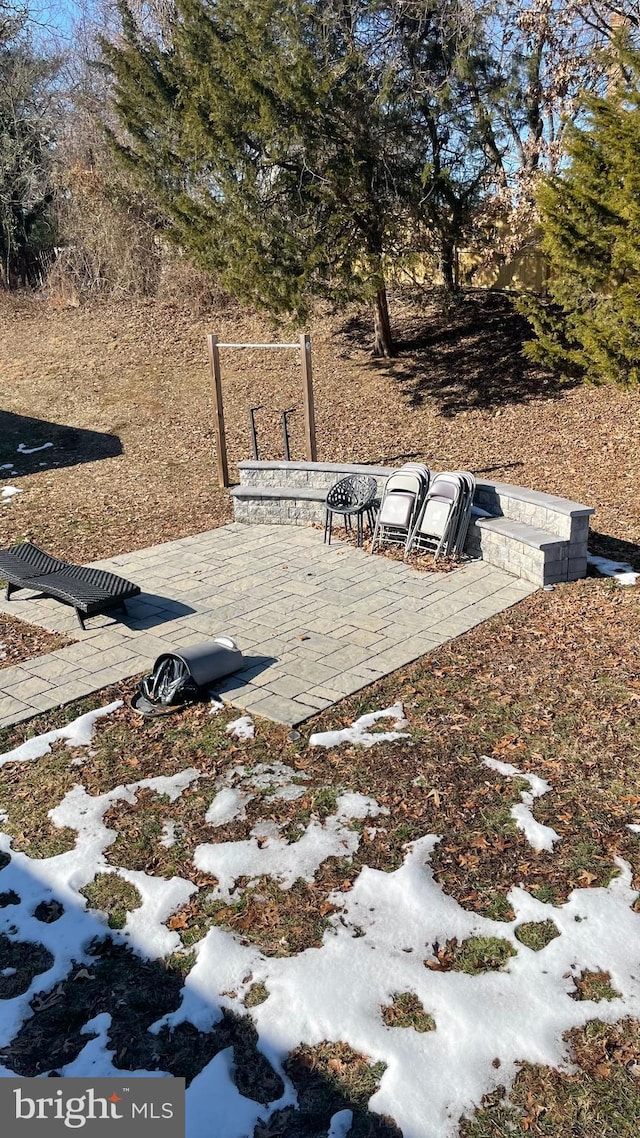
{"x":287,"y":142}
{"x":591,"y":227}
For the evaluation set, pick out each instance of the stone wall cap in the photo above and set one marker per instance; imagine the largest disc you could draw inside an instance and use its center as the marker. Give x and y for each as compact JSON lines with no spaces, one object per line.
{"x":322,"y":467}
{"x":536,"y":498}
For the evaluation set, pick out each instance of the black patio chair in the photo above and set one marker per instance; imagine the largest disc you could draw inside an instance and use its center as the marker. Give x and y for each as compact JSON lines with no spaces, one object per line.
{"x":351,"y":497}
{"x":89,"y":591}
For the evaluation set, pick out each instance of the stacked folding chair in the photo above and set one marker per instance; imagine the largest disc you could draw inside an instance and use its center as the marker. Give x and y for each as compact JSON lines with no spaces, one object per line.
{"x":442,"y":523}
{"x":402,"y":498}
{"x":464,"y":514}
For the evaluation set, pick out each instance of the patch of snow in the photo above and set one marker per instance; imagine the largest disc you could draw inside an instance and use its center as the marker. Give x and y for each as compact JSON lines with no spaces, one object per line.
{"x":377,"y":947}
{"x":96,"y":1058}
{"x":4,"y":817}
{"x":238,"y":786}
{"x":7,"y":466}
{"x":168,"y":837}
{"x":146,"y":926}
{"x":172,"y":786}
{"x":539,"y":836}
{"x":9,"y":492}
{"x":273,"y":856}
{"x":623,"y":573}
{"x":265,"y":776}
{"x":214,"y":1088}
{"x":78,"y":733}
{"x":340,"y":1124}
{"x":634,"y":828}
{"x":242,"y":728}
{"x":359,"y":731}
{"x":291,"y":792}
{"x":8,"y":971}
{"x":228,"y":804}
{"x":374,"y":947}
{"x":215,"y":705}
{"x":23,"y":449}
{"x":221,"y":963}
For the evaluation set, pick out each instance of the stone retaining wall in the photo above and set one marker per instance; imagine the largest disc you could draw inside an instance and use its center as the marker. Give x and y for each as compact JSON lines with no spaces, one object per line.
{"x":540,"y":537}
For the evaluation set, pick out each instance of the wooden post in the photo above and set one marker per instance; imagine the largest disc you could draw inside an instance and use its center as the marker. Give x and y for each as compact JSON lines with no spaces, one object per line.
{"x":221,"y":442}
{"x":307,"y":394}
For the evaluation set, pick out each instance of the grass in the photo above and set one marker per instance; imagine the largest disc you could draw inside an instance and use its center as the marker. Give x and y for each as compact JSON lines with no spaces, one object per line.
{"x":406,"y":1010}
{"x":601,"y":1099}
{"x":330,"y":1078}
{"x":474,"y":955}
{"x":256,"y":995}
{"x":594,"y":986}
{"x":537,"y":934}
{"x":282,"y":922}
{"x":110,"y":894}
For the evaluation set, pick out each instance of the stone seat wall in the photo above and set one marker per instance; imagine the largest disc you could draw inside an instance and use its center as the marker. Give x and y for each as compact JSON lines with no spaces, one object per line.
{"x":540,"y":537}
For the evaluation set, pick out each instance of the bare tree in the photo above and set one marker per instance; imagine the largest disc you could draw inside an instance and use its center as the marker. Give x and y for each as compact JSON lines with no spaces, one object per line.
{"x":27,"y":126}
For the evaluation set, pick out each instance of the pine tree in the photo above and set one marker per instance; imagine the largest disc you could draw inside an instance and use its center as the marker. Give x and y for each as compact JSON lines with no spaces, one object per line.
{"x":286,"y":142}
{"x":591,"y":236}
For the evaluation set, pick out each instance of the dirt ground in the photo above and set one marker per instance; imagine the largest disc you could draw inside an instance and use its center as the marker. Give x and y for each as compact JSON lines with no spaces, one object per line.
{"x":123,"y":394}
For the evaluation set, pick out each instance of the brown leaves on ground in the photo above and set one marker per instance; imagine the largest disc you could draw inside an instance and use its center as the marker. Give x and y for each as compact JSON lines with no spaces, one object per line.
{"x":123,"y":391}
{"x":21,"y":641}
{"x":598,"y":1098}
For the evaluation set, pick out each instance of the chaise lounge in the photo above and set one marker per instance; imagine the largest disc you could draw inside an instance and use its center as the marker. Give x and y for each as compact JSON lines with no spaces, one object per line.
{"x":88,"y":591}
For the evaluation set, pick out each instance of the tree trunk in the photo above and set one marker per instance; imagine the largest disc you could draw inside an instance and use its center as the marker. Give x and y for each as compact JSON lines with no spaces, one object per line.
{"x":383,"y":340}
{"x":449,"y":265}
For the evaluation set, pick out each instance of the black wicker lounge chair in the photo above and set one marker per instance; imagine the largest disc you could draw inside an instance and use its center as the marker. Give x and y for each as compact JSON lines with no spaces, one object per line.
{"x":88,"y":591}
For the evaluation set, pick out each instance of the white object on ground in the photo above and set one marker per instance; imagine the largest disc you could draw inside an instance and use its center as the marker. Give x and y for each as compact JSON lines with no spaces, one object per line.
{"x":634,"y":828}
{"x":168,"y":837}
{"x":340,"y":1124}
{"x":215,"y":705}
{"x":539,"y":836}
{"x":78,"y":733}
{"x":242,"y":728}
{"x":96,"y":1058}
{"x":23,"y":449}
{"x":623,"y":573}
{"x":9,"y":492}
{"x":228,"y":806}
{"x":359,"y":731}
{"x":266,"y":853}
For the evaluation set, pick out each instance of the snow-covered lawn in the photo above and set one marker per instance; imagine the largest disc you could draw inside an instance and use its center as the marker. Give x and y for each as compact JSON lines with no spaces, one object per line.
{"x":381,"y":942}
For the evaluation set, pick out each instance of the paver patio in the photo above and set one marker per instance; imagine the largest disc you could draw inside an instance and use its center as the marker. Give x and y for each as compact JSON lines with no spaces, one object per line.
{"x":315,"y":623}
